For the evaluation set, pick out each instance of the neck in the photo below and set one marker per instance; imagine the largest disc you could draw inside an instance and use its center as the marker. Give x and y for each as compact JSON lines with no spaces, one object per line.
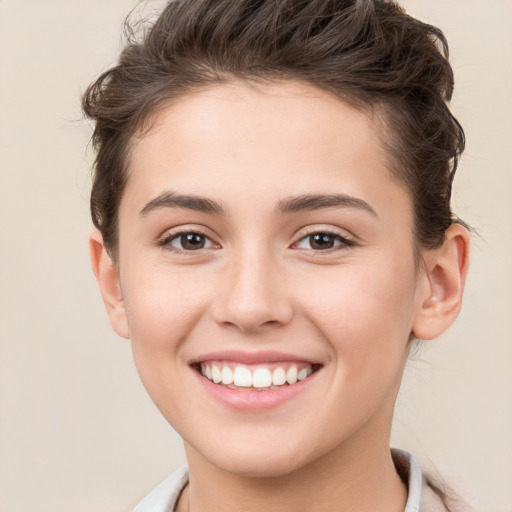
{"x":357,"y":476}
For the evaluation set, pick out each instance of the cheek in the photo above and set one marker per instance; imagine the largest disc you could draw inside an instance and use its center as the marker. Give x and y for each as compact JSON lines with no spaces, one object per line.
{"x":162,"y":304}
{"x":365,"y":317}
{"x":365,"y":314}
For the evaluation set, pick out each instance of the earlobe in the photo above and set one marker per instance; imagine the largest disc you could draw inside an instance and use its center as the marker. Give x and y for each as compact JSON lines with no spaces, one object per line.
{"x":445,"y":275}
{"x":107,"y":277}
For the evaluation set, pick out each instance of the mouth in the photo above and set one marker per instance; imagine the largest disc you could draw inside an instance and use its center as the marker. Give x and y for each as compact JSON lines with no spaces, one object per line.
{"x":255,"y":381}
{"x":256,"y":377}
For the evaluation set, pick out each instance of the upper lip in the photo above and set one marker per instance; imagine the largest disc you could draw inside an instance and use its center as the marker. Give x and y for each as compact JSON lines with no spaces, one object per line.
{"x":244,"y":357}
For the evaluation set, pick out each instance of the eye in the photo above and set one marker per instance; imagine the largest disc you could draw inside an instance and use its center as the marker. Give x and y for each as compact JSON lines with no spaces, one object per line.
{"x":323,"y":241}
{"x":187,"y":241}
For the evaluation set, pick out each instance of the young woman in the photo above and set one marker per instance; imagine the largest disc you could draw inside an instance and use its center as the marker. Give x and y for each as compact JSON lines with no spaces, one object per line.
{"x":272,"y":204}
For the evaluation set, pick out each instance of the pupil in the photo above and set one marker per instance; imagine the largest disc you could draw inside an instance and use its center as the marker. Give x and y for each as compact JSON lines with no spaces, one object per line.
{"x":192,"y":241}
{"x":322,"y":241}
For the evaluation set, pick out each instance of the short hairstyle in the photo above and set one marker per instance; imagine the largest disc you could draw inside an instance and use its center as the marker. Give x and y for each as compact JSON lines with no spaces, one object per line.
{"x":369,"y":53}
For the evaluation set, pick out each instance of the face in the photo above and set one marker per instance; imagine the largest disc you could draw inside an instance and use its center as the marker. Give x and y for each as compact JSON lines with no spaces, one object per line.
{"x":263,"y":239}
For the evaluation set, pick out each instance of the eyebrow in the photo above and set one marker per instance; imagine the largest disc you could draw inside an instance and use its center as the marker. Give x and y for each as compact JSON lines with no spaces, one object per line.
{"x":307,"y":202}
{"x":318,"y":201}
{"x":171,"y":199}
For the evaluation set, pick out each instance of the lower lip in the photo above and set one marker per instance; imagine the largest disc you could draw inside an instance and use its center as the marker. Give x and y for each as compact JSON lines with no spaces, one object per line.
{"x":254,"y":400}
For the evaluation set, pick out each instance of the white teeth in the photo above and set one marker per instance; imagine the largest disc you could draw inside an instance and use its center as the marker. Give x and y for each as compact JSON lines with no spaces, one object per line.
{"x":291,"y":375}
{"x":216,"y":376}
{"x":242,"y":377}
{"x":278,"y":377}
{"x":227,"y":375}
{"x":261,"y":378}
{"x":302,"y":374}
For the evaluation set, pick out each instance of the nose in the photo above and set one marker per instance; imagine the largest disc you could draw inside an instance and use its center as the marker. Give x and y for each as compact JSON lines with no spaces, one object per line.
{"x":253,"y":296}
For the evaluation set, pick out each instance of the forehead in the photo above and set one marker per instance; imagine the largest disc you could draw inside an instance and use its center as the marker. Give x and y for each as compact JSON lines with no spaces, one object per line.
{"x":275,"y":140}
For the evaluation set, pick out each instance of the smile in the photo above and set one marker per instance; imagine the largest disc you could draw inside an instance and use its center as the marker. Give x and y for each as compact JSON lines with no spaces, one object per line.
{"x":257,"y":378}
{"x":255,"y":381}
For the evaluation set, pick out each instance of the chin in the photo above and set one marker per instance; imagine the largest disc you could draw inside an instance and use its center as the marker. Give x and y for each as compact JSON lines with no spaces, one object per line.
{"x":260,"y":466}
{"x":256,"y":459}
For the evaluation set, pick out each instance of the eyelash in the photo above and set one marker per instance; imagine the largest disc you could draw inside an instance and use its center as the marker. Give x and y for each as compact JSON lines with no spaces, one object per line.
{"x":166,"y":241}
{"x":344,"y":241}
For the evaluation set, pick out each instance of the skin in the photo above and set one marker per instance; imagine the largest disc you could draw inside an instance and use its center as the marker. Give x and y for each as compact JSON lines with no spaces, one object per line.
{"x":259,"y":284}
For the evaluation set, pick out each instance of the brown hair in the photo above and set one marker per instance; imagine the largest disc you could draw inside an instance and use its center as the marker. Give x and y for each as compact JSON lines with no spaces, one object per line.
{"x":371,"y":54}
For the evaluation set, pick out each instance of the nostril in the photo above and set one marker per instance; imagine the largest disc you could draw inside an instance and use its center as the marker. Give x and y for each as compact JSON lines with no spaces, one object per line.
{"x":246,"y":325}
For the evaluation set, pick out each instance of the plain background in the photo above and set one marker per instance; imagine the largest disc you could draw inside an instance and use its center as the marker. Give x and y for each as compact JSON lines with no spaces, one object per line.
{"x":77,"y":431}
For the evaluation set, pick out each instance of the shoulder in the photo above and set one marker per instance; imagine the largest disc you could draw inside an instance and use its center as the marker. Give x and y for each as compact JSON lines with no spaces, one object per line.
{"x":164,"y":497}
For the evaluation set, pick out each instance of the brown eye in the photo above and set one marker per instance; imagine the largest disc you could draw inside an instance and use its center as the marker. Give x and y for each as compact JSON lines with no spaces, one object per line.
{"x":192,"y":241}
{"x":323,"y":241}
{"x":189,"y":241}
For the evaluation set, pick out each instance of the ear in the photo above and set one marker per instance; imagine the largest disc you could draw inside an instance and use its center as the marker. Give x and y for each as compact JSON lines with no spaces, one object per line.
{"x":107,"y":277}
{"x":445,"y":275}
